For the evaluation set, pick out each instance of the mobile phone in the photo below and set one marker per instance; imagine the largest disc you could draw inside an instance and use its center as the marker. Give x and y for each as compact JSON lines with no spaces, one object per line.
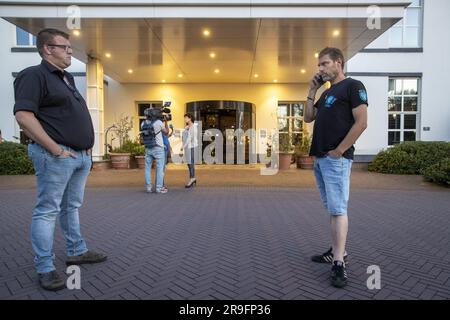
{"x":320,"y":80}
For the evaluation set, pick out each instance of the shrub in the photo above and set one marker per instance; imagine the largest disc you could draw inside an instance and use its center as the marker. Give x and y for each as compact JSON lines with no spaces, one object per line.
{"x":14,"y":159}
{"x":410,"y":157}
{"x":439,"y":172}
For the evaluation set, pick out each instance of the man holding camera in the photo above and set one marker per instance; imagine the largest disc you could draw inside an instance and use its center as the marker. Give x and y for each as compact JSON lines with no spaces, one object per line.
{"x":152,"y":130}
{"x":340,"y":117}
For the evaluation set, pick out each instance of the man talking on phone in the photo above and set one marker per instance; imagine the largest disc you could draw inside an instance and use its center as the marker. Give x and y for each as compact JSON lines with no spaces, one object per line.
{"x":340,"y":117}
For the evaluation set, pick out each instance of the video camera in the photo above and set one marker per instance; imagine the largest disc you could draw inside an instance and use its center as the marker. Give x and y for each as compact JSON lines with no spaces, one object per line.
{"x":163,"y":114}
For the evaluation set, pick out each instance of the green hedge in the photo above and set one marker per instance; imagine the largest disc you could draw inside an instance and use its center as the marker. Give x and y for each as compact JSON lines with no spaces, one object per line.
{"x":410,"y":157}
{"x":439,"y":172}
{"x":14,"y":159}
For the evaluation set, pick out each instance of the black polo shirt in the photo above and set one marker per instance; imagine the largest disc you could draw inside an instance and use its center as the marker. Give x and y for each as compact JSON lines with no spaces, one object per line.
{"x":334,"y":117}
{"x":57,"y":105}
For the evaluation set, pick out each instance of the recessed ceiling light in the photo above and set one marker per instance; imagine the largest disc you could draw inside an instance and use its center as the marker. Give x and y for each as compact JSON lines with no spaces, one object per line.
{"x":180,"y":75}
{"x":206,"y":32}
{"x":130,"y":70}
{"x":275,"y":80}
{"x":212,"y":55}
{"x":108,"y":55}
{"x":303,"y":71}
{"x":336,"y":33}
{"x":256,"y":75}
{"x":163,"y":81}
{"x":76,"y":33}
{"x":216,"y":71}
{"x":316,"y":55}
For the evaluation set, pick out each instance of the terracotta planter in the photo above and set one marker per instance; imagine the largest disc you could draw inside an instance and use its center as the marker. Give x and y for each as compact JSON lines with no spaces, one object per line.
{"x":305,"y":162}
{"x":120,"y":160}
{"x":140,"y":160}
{"x":285,"y":160}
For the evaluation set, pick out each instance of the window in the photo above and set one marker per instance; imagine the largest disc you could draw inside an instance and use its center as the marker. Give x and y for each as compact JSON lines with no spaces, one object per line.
{"x":290,"y":120}
{"x":141,"y":106}
{"x":403,"y":110}
{"x":408,"y":31}
{"x":24,"y":39}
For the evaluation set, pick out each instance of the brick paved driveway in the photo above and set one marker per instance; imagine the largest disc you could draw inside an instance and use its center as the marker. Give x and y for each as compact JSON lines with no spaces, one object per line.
{"x":237,"y":242}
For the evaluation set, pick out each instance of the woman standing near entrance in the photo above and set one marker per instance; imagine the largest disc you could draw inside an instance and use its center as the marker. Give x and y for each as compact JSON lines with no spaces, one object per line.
{"x":190,"y":142}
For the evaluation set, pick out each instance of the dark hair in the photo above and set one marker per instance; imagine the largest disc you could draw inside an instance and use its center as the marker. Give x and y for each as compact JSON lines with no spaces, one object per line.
{"x":46,"y":36}
{"x":334,"y":54}
{"x":190,"y":116}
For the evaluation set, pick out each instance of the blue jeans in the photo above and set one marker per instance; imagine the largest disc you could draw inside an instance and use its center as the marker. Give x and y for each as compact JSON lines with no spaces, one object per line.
{"x":190,"y":160}
{"x":156,"y":153}
{"x":333,"y":181}
{"x":60,"y":191}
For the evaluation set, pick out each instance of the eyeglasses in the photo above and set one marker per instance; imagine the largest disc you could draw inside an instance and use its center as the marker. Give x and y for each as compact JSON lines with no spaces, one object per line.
{"x":63,"y":46}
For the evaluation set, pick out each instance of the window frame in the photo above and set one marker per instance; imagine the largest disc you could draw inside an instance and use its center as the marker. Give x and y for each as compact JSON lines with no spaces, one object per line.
{"x":402,"y":113}
{"x":404,"y":27}
{"x":139,"y":117}
{"x":30,"y":39}
{"x":290,"y":118}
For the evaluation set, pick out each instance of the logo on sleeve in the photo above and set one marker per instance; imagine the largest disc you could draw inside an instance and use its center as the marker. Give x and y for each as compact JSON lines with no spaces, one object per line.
{"x":363,"y":95}
{"x":329,"y":101}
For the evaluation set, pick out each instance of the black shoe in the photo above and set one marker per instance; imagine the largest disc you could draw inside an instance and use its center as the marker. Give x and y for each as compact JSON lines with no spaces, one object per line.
{"x":327,"y":257}
{"x":88,"y":257}
{"x":51,"y":281}
{"x":339,"y":274}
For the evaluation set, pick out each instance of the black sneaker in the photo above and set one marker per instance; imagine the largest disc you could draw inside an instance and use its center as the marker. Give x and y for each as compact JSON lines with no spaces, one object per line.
{"x":51,"y":281}
{"x":327,"y":257}
{"x":88,"y":257}
{"x":339,"y":274}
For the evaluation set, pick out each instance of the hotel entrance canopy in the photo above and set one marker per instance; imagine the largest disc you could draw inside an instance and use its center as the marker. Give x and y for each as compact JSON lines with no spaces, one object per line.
{"x":233,"y":41}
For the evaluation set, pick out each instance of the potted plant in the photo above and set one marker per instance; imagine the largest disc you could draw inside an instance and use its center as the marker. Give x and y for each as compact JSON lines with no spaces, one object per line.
{"x":302,"y":157}
{"x":286,"y":151}
{"x":121,"y":156}
{"x":139,"y":154}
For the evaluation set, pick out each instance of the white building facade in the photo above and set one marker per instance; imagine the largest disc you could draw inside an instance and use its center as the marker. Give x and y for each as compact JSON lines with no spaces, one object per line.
{"x":211,"y":57}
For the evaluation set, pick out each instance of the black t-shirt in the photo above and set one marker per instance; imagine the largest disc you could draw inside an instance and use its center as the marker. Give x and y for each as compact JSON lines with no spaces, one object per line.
{"x":334,"y":117}
{"x":57,"y":105}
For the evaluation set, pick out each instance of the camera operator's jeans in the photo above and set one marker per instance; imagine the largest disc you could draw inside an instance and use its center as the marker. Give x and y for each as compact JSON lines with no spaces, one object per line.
{"x":60,"y":191}
{"x":156,"y":153}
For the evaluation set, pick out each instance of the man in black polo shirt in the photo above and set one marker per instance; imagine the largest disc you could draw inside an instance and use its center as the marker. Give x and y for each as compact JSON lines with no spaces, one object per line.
{"x":340,"y":118}
{"x":52,"y":112}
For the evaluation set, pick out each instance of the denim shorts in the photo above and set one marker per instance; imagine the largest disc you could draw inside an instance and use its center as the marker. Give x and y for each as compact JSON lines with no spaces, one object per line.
{"x":333,"y":181}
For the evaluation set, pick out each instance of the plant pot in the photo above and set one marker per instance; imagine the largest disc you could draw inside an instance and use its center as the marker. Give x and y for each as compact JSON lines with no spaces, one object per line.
{"x":305,"y":162}
{"x":140,"y":160}
{"x":120,"y":160}
{"x":285,"y":161}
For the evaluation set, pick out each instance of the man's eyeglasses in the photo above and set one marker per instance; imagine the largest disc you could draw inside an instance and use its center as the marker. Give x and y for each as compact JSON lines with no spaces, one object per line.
{"x":63,"y":46}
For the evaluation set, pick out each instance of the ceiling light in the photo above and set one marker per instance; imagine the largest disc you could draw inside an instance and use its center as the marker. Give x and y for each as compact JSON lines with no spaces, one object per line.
{"x":303,"y":71}
{"x":212,"y":55}
{"x":275,"y":80}
{"x":316,"y":55}
{"x":130,"y":70}
{"x":256,"y":75}
{"x":108,"y":55}
{"x":216,"y":71}
{"x":76,"y":33}
{"x":206,"y":33}
{"x":180,"y":76}
{"x":336,"y":33}
{"x":163,"y":81}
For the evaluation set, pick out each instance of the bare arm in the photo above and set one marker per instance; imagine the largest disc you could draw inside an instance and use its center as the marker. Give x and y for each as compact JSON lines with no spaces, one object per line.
{"x":310,"y":111}
{"x":33,"y":129}
{"x":360,"y":116}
